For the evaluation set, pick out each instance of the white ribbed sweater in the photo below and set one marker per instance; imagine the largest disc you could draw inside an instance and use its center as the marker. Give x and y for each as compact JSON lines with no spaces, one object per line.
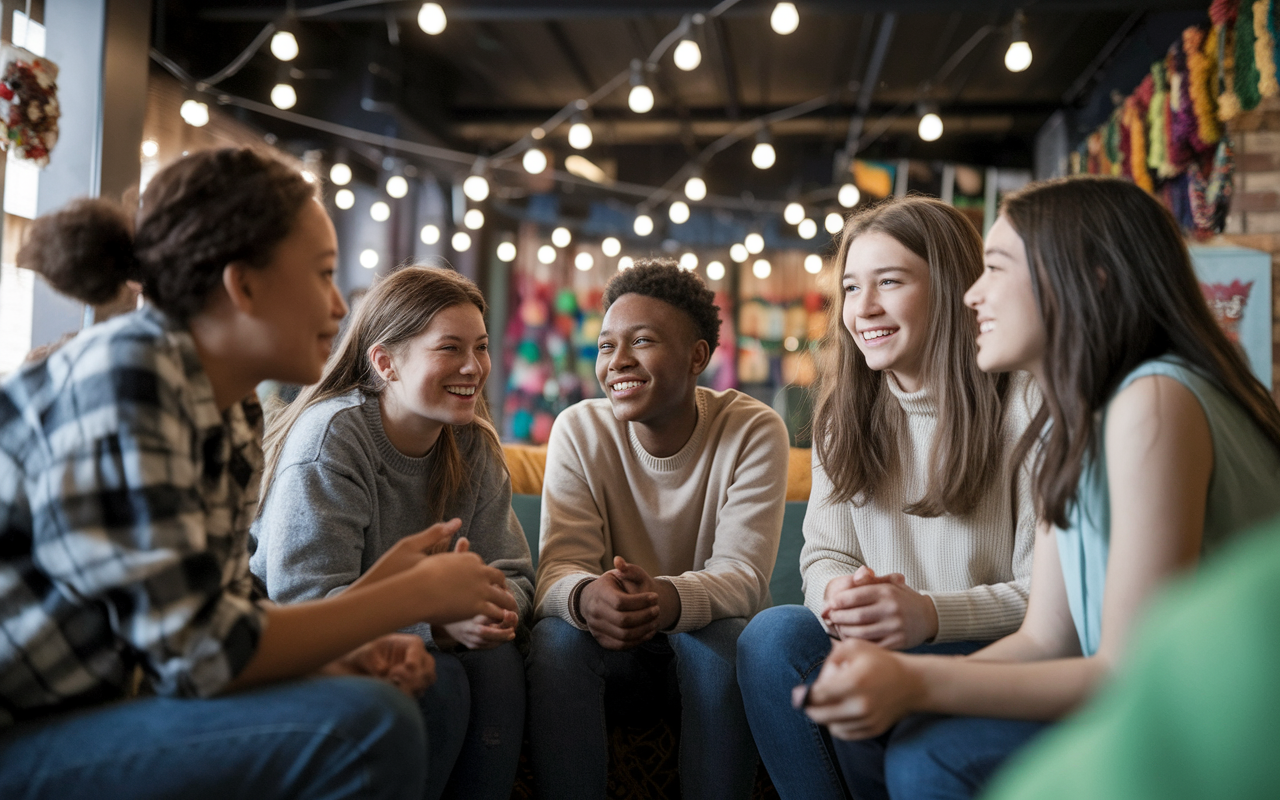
{"x":976,"y":568}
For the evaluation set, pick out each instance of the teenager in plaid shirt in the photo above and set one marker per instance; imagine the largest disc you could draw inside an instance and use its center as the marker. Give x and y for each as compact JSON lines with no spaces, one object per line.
{"x":129,"y":467}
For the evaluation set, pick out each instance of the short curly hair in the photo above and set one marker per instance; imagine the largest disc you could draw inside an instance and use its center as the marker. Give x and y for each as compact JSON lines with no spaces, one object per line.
{"x":662,"y":279}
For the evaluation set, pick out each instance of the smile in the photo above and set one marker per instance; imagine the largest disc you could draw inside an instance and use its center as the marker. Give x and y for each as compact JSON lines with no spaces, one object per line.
{"x":623,"y":386}
{"x":986,"y":326}
{"x":461,"y":391}
{"x":879,"y":333}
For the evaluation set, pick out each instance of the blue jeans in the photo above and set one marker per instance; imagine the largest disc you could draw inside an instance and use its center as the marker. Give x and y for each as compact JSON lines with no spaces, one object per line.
{"x":570,"y":675}
{"x":785,"y":646}
{"x":474,"y":714}
{"x":321,"y":738}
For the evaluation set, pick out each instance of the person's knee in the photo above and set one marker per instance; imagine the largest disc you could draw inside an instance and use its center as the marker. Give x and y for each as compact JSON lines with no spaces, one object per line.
{"x":379,"y":715}
{"x":555,"y":641}
{"x":449,"y":697}
{"x":782,"y":640}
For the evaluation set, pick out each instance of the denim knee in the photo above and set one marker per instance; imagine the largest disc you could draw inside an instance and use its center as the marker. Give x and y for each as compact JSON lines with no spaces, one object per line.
{"x":783,"y":640}
{"x":387,"y":723}
{"x":554,"y":640}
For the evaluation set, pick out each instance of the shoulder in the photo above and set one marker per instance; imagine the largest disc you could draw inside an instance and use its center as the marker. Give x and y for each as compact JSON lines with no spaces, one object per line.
{"x":1147,"y":408}
{"x":332,"y":430}
{"x":736,"y":413}
{"x":477,"y":449}
{"x":585,"y":421}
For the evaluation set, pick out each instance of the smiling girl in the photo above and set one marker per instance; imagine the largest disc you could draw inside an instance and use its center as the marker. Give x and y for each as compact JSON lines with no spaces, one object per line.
{"x":1155,"y":444}
{"x":918,"y":536}
{"x":393,"y":438}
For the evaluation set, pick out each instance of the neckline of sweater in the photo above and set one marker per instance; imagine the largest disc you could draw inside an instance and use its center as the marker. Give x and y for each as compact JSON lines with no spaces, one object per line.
{"x":392,"y":457}
{"x":920,"y":402}
{"x":686,"y":454}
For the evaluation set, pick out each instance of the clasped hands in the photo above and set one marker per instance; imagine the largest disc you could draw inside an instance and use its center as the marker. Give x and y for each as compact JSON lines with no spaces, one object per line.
{"x":880,"y":609}
{"x":625,"y":607}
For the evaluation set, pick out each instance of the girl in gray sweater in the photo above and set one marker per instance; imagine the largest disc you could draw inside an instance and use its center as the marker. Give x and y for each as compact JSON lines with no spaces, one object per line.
{"x":394,"y":438}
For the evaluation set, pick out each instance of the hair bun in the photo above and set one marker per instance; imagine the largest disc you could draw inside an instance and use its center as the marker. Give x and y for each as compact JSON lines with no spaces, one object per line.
{"x":84,"y":250}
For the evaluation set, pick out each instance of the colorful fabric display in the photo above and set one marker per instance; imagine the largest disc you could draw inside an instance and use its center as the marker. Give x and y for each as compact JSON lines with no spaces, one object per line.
{"x":1200,"y":72}
{"x":1246,"y":68}
{"x":1264,"y":48}
{"x":1158,"y":124}
{"x":1223,"y":15}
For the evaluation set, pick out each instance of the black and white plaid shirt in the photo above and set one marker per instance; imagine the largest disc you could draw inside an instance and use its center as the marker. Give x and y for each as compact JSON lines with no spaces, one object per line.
{"x":125,"y":503}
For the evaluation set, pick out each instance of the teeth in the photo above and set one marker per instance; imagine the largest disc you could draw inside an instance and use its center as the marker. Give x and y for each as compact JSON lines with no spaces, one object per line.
{"x":464,"y":391}
{"x":622,"y":387}
{"x":869,"y":335}
{"x":987,"y":327}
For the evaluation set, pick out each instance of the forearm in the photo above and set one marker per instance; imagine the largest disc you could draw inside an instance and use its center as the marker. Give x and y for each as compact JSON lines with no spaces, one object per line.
{"x":981,"y":613}
{"x":668,"y":604}
{"x":1042,"y":690}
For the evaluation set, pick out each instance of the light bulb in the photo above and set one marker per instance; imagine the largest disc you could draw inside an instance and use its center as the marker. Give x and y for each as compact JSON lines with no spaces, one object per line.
{"x":580,"y":136}
{"x":461,"y":242}
{"x":849,"y":195}
{"x":397,"y":186}
{"x":679,"y":212}
{"x":688,"y":261}
{"x":930,"y":127}
{"x":283,"y":96}
{"x":695,"y":188}
{"x":473,"y":219}
{"x":380,"y":211}
{"x":1018,"y":57}
{"x":194,"y":113}
{"x":284,"y":46}
{"x":784,"y":19}
{"x":793,"y":213}
{"x":475,"y":187}
{"x":369,"y":258}
{"x":643,"y":225}
{"x":561,"y":237}
{"x":687,"y":55}
{"x":641,"y":99}
{"x":534,"y":161}
{"x":626,"y":262}
{"x":761,"y":268}
{"x":763,"y":156}
{"x":584,"y":261}
{"x":340,"y":174}
{"x":715,"y":270}
{"x":738,"y":253}
{"x":546,"y":254}
{"x":430,"y":234}
{"x":611,"y":247}
{"x":813,"y":263}
{"x":754,"y":243}
{"x":807,"y":228}
{"x":507,"y":252}
{"x":833,"y":223}
{"x":308,"y":176}
{"x":150,"y":148}
{"x":791,"y":343}
{"x":344,"y":199}
{"x":431,"y":18}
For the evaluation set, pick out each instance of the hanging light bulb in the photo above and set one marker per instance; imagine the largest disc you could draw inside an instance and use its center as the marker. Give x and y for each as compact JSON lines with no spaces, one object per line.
{"x":397,"y":186}
{"x":833,"y":223}
{"x":763,"y":156}
{"x":584,"y":261}
{"x":475,"y":187}
{"x":695,"y":188}
{"x":150,"y":148}
{"x":813,"y":263}
{"x":461,"y":242}
{"x":561,"y":237}
{"x":380,"y":211}
{"x":340,"y":174}
{"x":761,"y":268}
{"x":738,"y":253}
{"x":546,"y":254}
{"x":793,"y":213}
{"x":534,"y":161}
{"x":431,"y":19}
{"x":641,"y":98}
{"x":784,"y":19}
{"x":369,"y":258}
{"x":308,"y":176}
{"x":1018,"y":57}
{"x":679,"y":212}
{"x":194,"y":113}
{"x":473,"y":219}
{"x":580,"y":135}
{"x":687,"y":55}
{"x":807,"y":228}
{"x":643,"y":225}
{"x":849,"y":195}
{"x":689,"y":262}
{"x":430,"y":234}
{"x":507,"y":252}
{"x":754,"y":243}
{"x":284,"y":46}
{"x":715,"y":270}
{"x":930,"y":126}
{"x":626,"y":262}
{"x":344,"y":199}
{"x":283,"y":96}
{"x":611,"y":246}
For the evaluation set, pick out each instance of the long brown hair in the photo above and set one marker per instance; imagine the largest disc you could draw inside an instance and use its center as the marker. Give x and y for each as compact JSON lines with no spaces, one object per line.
{"x":858,"y":424}
{"x":396,"y":309}
{"x":1115,"y":286}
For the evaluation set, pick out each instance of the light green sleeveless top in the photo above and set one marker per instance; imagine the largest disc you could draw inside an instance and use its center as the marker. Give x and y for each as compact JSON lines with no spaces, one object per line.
{"x":1244,"y":490}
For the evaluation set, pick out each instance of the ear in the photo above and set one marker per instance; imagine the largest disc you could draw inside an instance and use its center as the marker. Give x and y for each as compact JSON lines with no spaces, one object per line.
{"x":237,"y":279}
{"x":701,"y":356}
{"x":380,"y":358}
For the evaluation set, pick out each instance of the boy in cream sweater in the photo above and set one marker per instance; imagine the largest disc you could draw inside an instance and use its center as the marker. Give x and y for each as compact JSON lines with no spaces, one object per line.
{"x":661,"y":512}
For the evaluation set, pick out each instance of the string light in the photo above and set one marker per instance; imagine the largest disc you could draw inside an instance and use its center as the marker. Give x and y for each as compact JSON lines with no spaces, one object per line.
{"x":813,"y":264}
{"x":507,"y":252}
{"x":626,"y":262}
{"x":849,"y":195}
{"x":150,"y":148}
{"x":784,"y":19}
{"x":473,"y":219}
{"x":283,"y":96}
{"x":584,"y":261}
{"x":546,"y":254}
{"x":397,"y":186}
{"x":793,"y":213}
{"x":791,"y":343}
{"x":368,"y":258}
{"x":754,"y":243}
{"x":561,"y":237}
{"x":738,"y":253}
{"x":763,"y":156}
{"x":580,"y":137}
{"x":761,"y":268}
{"x":461,"y":242}
{"x":1018,"y":57}
{"x":340,"y":174}
{"x":611,"y":246}
{"x":688,"y":262}
{"x":807,"y":228}
{"x":679,"y":212}
{"x":695,"y":188}
{"x":475,"y":187}
{"x":715,"y":270}
{"x":344,"y":199}
{"x":380,"y":211}
{"x":284,"y":46}
{"x":640,"y":100}
{"x":430,"y":234}
{"x":194,"y":113}
{"x":534,"y":161}
{"x":687,"y":55}
{"x":643,"y":225}
{"x":308,"y":176}
{"x":930,"y":127}
{"x":833,"y":223}
{"x":431,"y":19}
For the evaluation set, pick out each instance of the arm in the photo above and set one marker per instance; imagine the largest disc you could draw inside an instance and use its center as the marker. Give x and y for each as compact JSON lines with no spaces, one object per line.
{"x":831,"y":547}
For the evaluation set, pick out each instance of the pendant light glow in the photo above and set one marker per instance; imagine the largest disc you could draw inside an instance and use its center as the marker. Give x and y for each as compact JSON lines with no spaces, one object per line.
{"x":679,"y":212}
{"x":584,"y":261}
{"x":475,"y":187}
{"x":807,"y":228}
{"x":283,"y":96}
{"x":344,"y":199}
{"x":431,"y":19}
{"x":580,"y":137}
{"x":833,"y":223}
{"x":429,"y":234}
{"x":715,"y":270}
{"x":534,"y":161}
{"x":849,"y":195}
{"x":507,"y":252}
{"x":1018,"y":57}
{"x":754,"y":243}
{"x":461,"y":242}
{"x":793,"y":213}
{"x":340,"y":174}
{"x":546,"y":254}
{"x":687,"y":55}
{"x":369,"y":258}
{"x":473,"y":219}
{"x":643,"y":225}
{"x":813,"y":263}
{"x":626,"y":262}
{"x":561,"y":237}
{"x":763,"y":156}
{"x":689,"y":262}
{"x":641,"y":99}
{"x":784,"y":19}
{"x":397,"y":186}
{"x":930,"y":127}
{"x":738,"y":253}
{"x":380,"y":211}
{"x":194,"y":113}
{"x":695,"y":188}
{"x":284,"y":46}
{"x":611,"y":246}
{"x":761,"y":268}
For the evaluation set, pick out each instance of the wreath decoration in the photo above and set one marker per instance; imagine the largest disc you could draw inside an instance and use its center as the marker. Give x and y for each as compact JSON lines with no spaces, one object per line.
{"x":29,"y":107}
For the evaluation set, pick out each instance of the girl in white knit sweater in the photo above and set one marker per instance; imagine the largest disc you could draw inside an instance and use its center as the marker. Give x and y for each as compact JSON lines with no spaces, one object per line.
{"x":919,"y":529}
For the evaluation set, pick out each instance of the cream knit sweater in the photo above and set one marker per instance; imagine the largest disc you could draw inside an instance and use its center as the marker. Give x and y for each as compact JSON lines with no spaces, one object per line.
{"x":707,"y":518}
{"x":977,"y":568}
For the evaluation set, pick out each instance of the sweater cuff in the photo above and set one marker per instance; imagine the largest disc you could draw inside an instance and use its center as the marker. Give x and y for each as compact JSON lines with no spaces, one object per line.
{"x":559,"y":599}
{"x":815,"y":584}
{"x":695,"y":605}
{"x":960,"y":619}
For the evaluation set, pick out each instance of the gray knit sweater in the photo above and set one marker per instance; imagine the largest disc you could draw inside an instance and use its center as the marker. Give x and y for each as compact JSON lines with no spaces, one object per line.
{"x":343,"y":495}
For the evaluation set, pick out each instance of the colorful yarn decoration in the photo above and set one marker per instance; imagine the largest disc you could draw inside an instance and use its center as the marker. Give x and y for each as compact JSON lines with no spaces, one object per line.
{"x":1246,"y":74}
{"x":1271,"y":31}
{"x":1264,"y":48}
{"x":1111,"y":145}
{"x":1177,"y":198}
{"x":1095,"y":148}
{"x":1184,"y":136}
{"x":1223,"y":15}
{"x":1210,"y":196}
{"x":1135,"y":121}
{"x":1124,"y":164}
{"x":1200,"y":72}
{"x":1157,"y":124}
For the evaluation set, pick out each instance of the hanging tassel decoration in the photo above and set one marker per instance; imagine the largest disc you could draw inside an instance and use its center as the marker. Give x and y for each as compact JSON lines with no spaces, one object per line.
{"x":1111,"y":145}
{"x":1157,"y":113}
{"x":1094,"y":144}
{"x":1135,"y":119}
{"x":1264,"y":48}
{"x":1223,"y":15}
{"x":1184,"y":139}
{"x":1200,"y":72}
{"x":1246,"y":69}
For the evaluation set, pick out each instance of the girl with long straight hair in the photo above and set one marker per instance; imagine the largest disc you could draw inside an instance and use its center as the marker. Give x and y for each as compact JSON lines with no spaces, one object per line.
{"x":395,"y":437}
{"x":918,"y":535}
{"x":130,"y":460}
{"x":1155,"y":444}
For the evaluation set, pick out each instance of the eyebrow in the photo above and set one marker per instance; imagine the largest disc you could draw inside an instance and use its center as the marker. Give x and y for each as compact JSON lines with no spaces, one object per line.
{"x":449,"y":337}
{"x":632,"y":329}
{"x":879,"y":271}
{"x":997,"y":251}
